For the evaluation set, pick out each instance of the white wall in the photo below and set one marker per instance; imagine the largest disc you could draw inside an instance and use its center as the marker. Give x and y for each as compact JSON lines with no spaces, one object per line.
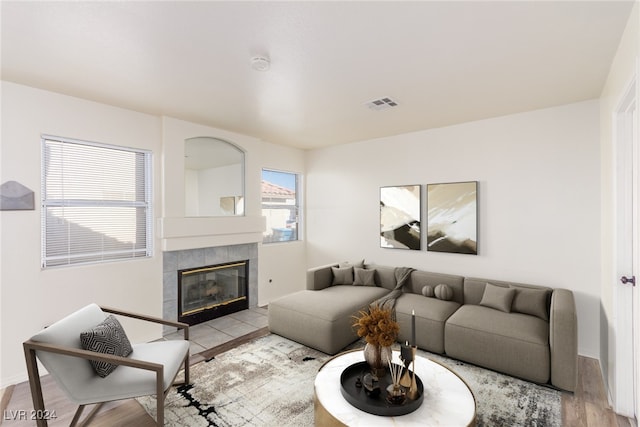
{"x":31,"y":297}
{"x":539,"y":194}
{"x":620,"y":75}
{"x":283,"y":266}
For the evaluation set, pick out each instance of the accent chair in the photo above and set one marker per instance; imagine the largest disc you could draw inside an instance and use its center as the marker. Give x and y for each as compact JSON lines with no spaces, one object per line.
{"x":82,"y":354}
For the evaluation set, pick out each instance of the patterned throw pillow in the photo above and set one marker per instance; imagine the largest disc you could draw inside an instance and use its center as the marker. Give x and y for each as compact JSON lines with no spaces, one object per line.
{"x":107,"y":337}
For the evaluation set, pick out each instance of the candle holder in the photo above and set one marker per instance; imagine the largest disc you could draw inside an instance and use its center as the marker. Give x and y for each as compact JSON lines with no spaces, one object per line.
{"x":406,"y":355}
{"x":413,"y":388}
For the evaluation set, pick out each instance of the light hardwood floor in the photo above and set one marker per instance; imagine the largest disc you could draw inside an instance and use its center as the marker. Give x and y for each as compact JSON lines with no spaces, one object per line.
{"x":587,"y":407}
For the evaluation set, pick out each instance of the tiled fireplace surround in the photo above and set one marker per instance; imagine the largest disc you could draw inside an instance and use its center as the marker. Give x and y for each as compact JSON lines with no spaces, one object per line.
{"x":192,"y":258}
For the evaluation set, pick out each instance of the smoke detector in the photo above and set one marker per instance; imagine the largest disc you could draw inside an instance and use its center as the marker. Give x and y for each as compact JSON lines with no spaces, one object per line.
{"x":260,"y":63}
{"x":381,"y":104}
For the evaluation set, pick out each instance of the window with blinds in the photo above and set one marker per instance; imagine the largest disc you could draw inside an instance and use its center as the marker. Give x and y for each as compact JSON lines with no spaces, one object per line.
{"x":96,"y":202}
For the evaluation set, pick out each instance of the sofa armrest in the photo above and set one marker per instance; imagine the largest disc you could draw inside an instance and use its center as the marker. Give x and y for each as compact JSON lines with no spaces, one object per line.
{"x":563,"y":340}
{"x":320,"y":277}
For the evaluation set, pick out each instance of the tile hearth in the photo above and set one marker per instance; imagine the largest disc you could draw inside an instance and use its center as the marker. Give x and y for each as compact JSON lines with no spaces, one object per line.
{"x":213,"y":333}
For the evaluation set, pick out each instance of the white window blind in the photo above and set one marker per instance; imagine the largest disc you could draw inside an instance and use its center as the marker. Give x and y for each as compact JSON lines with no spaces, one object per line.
{"x":96,"y":202}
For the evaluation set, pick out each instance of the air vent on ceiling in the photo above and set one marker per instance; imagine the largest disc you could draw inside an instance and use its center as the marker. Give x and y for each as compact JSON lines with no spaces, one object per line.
{"x":381,"y":104}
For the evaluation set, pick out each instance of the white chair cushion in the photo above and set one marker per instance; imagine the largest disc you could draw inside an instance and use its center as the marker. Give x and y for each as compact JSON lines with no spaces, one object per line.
{"x":127,"y":382}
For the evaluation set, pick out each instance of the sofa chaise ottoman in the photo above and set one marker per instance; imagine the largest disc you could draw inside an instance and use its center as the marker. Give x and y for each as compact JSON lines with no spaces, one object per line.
{"x":321,"y":319}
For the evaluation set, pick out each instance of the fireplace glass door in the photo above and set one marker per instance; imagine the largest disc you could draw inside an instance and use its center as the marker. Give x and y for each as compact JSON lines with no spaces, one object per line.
{"x":212,"y":291}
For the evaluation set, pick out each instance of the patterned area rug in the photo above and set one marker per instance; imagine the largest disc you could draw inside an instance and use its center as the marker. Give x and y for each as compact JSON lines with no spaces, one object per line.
{"x":269,"y":382}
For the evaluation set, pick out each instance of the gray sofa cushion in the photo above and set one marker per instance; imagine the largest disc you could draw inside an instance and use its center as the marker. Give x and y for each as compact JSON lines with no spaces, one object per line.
{"x":513,"y":343}
{"x":431,"y":315}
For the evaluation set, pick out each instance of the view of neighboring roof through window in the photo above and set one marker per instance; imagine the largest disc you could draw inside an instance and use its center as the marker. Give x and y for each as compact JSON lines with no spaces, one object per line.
{"x":280,"y":205}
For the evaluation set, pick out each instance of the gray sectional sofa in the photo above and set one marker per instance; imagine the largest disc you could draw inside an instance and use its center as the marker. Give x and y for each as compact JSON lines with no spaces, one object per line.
{"x":526,"y":331}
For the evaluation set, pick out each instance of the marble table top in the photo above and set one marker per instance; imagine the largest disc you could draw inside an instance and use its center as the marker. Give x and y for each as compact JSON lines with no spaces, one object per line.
{"x":448,"y":401}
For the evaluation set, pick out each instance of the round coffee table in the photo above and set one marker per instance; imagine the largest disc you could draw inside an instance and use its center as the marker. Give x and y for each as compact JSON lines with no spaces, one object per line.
{"x":447,"y":398}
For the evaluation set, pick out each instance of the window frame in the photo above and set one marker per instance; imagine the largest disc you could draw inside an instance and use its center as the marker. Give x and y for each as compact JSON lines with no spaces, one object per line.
{"x":297,"y":206}
{"x":100,"y":257}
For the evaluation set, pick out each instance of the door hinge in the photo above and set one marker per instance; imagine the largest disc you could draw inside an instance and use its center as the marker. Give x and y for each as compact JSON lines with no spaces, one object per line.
{"x":626,"y":280}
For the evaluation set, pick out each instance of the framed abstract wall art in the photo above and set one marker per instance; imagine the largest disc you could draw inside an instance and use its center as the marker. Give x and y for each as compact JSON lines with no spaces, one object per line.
{"x":400,"y":217}
{"x":452,"y":217}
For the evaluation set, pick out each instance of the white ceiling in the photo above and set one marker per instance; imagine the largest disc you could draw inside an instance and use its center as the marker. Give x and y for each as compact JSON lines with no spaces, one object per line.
{"x":444,"y":62}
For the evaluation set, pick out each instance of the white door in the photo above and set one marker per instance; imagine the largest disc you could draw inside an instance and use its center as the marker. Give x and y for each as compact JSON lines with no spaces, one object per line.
{"x":628,"y":257}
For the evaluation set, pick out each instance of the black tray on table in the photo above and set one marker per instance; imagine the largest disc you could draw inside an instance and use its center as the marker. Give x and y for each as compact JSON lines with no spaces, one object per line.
{"x":378,"y":405}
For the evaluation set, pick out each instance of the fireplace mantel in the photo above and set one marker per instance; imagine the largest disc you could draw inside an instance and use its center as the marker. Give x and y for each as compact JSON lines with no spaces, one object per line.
{"x":201,"y":232}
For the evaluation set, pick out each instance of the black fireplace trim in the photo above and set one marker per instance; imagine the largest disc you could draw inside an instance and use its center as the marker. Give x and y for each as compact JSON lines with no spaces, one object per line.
{"x":215,"y":312}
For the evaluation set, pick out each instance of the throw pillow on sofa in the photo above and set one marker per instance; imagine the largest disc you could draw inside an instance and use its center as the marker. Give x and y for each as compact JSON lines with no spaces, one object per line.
{"x":443,"y":292}
{"x":531,"y":301}
{"x":498,"y":297}
{"x":427,"y":291}
{"x":107,"y":337}
{"x":362,"y":277}
{"x":342,"y":276}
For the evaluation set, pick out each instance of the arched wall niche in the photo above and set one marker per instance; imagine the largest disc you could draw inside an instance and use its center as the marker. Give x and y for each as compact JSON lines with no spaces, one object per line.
{"x":214,"y":181}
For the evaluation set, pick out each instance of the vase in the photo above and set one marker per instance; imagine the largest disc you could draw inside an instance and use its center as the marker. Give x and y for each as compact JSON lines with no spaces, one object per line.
{"x":377,"y":357}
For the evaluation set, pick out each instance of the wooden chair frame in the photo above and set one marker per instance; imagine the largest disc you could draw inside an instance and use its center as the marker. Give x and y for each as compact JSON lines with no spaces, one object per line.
{"x":30,"y":348}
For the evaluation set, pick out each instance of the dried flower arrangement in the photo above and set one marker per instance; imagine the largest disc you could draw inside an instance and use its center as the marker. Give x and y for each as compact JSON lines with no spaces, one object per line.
{"x":377,"y":326}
